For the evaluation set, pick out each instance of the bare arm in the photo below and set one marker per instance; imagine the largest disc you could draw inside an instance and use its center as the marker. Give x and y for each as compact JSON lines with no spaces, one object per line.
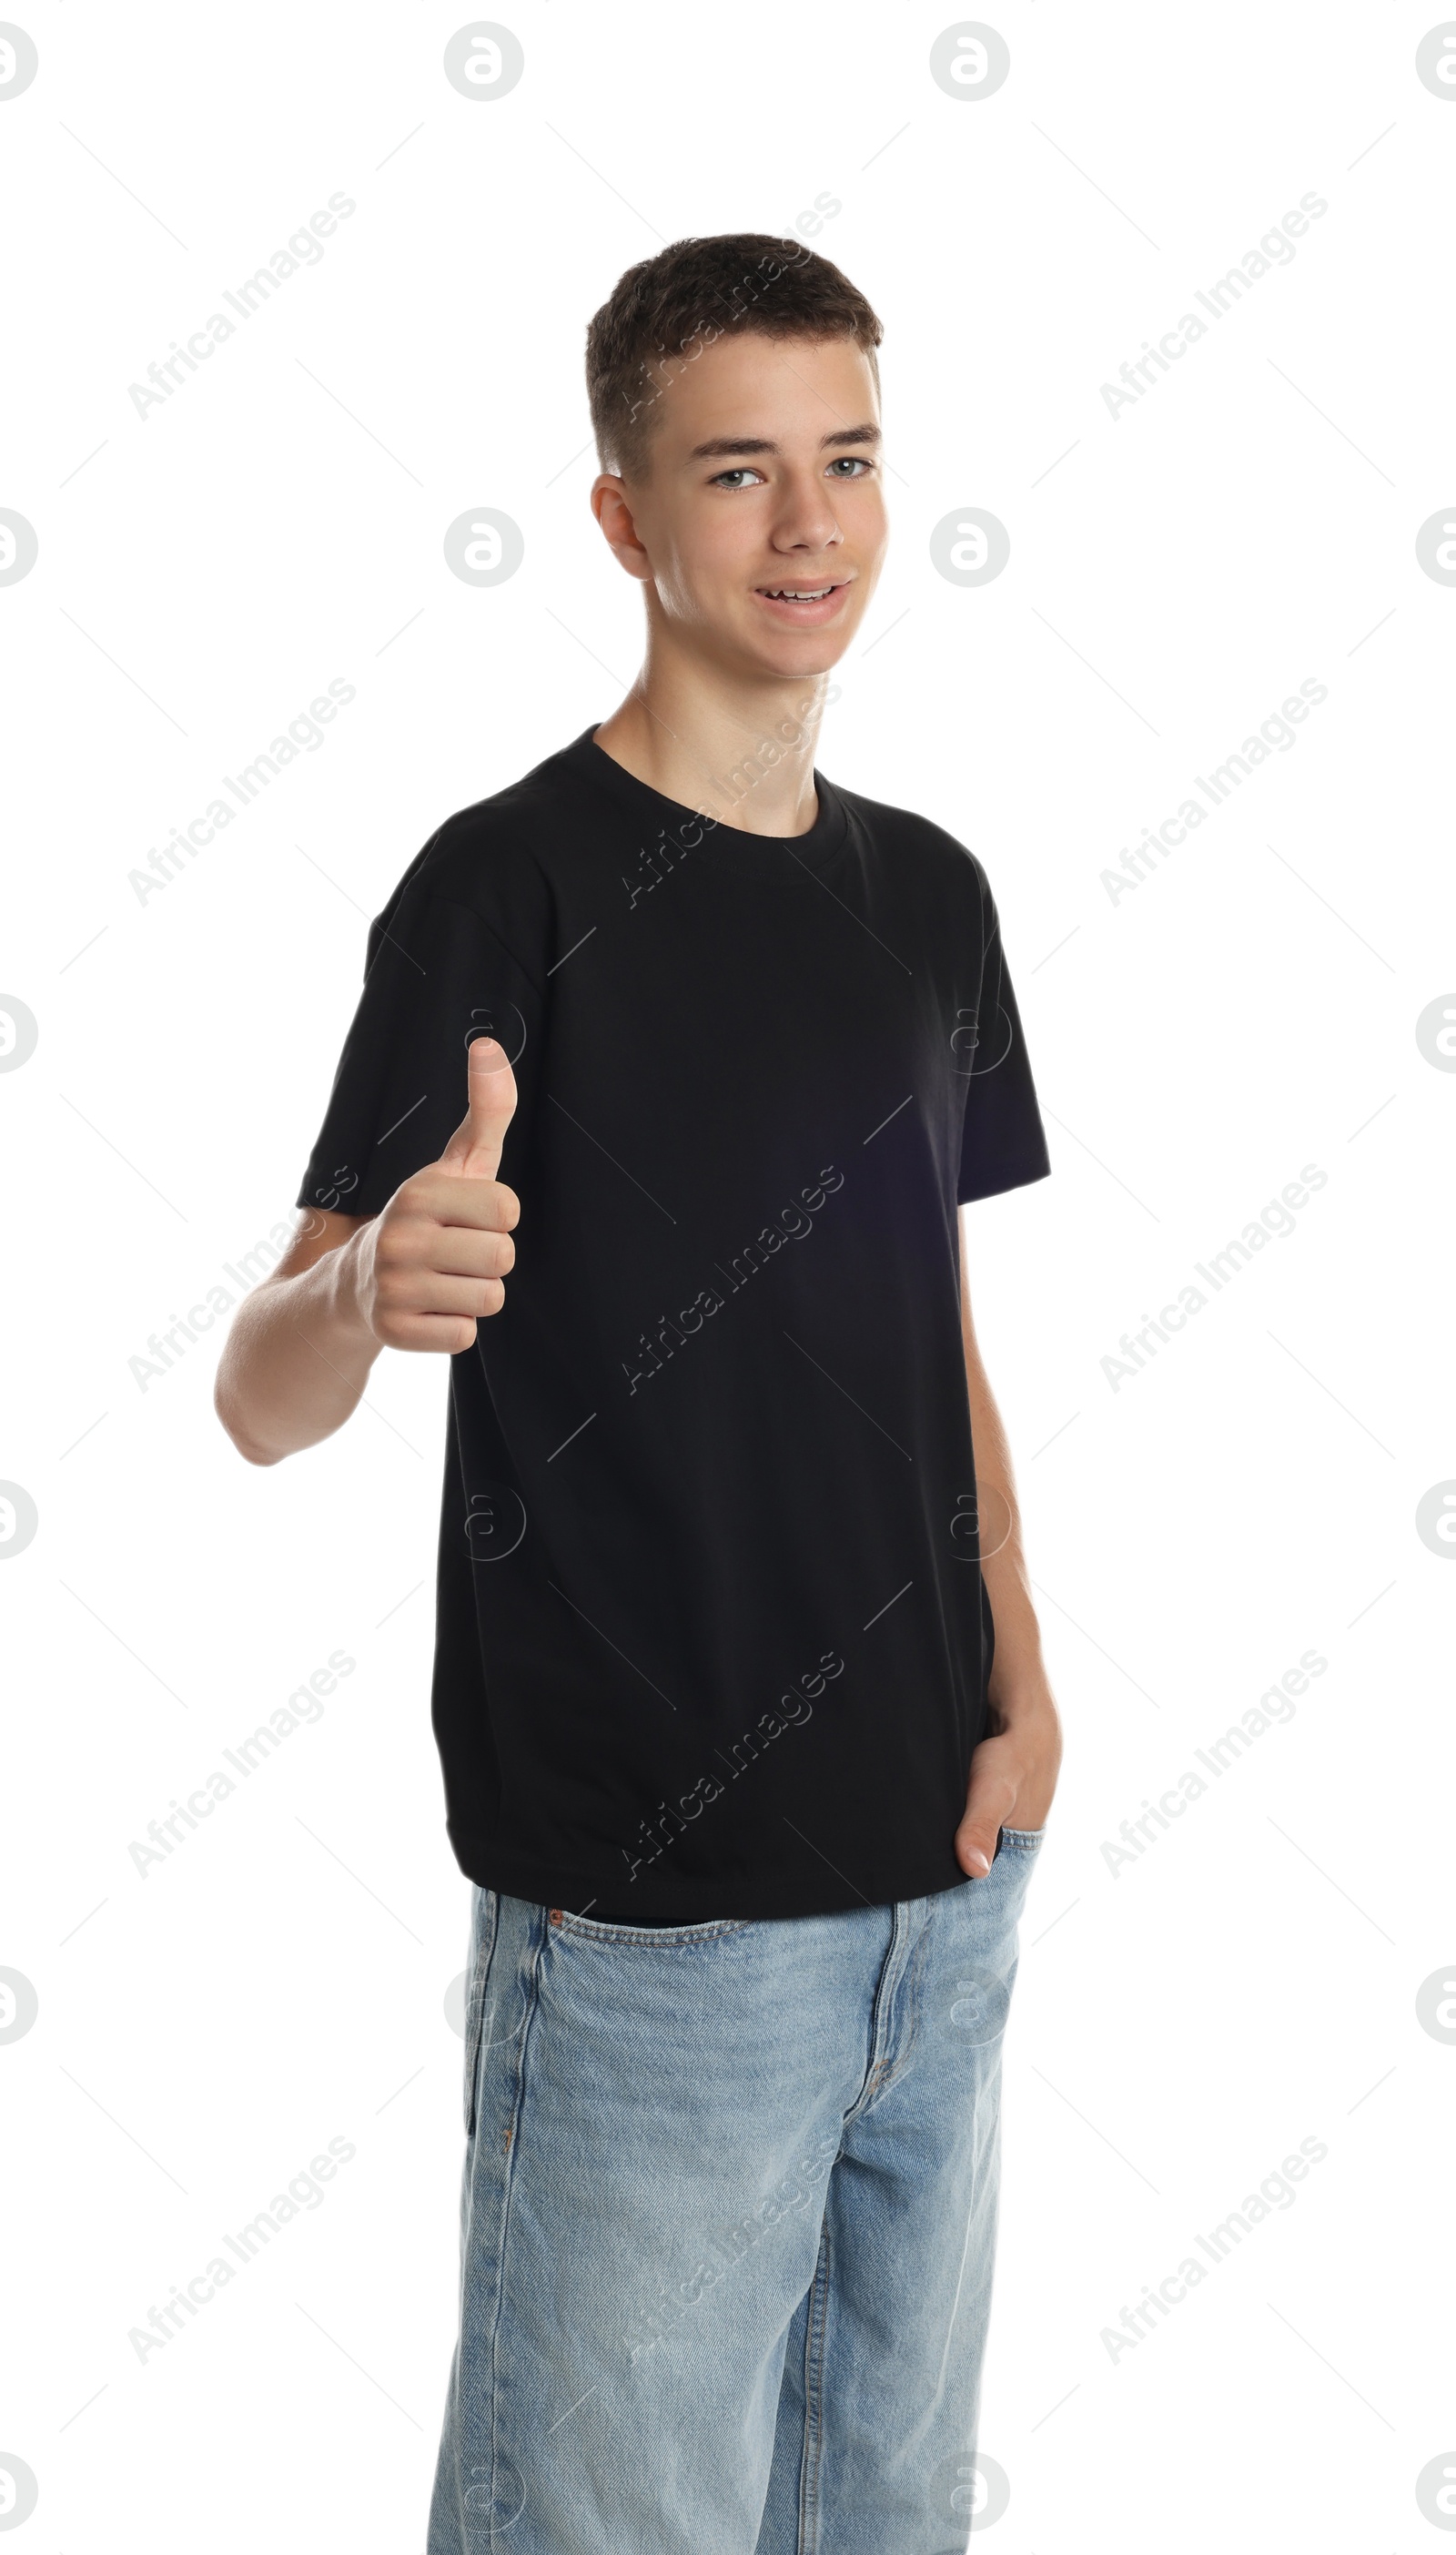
{"x":298,"y":1356}
{"x":418,"y":1276}
{"x":1014,"y":1771}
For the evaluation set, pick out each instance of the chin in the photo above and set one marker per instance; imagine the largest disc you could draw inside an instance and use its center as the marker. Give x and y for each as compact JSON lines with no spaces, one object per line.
{"x":803,"y":660}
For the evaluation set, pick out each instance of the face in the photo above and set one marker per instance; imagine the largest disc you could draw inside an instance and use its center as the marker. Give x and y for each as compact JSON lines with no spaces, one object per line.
{"x":764,"y":489}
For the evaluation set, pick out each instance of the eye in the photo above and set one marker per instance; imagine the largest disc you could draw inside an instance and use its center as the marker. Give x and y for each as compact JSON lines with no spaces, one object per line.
{"x":740,"y":473}
{"x":852,"y":460}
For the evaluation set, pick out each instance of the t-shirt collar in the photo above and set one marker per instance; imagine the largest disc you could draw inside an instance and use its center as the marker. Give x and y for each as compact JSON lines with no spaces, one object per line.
{"x":720,"y":846}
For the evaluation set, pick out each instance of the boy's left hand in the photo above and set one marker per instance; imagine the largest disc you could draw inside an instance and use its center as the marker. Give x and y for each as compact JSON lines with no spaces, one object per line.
{"x":1012,"y":1781}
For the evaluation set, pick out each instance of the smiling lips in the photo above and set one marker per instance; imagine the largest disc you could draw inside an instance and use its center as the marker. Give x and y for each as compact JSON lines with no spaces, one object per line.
{"x":804,"y":604}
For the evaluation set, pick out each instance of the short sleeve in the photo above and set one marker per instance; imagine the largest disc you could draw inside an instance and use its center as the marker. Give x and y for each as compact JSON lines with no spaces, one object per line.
{"x":436,"y":976}
{"x":1003,"y":1140}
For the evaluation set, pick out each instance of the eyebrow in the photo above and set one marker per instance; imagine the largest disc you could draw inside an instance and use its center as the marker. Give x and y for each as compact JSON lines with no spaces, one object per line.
{"x":720,"y":444}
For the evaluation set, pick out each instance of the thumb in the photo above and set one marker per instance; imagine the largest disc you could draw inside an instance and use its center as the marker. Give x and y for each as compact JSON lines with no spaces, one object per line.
{"x":991,"y":1792}
{"x":474,"y":1151}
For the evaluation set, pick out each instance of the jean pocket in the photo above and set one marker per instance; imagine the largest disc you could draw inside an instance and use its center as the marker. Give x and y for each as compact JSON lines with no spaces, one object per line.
{"x":662,"y":1938}
{"x":1021,"y":1840}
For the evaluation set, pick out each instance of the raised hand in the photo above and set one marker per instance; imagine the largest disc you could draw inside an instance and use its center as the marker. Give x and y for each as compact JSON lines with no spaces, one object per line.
{"x":432,"y":1264}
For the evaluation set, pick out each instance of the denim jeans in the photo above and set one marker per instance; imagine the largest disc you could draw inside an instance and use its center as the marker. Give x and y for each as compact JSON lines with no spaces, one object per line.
{"x":728,"y":2222}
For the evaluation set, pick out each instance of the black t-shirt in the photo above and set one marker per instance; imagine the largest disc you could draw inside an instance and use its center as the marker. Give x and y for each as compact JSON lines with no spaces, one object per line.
{"x":711,"y":1635}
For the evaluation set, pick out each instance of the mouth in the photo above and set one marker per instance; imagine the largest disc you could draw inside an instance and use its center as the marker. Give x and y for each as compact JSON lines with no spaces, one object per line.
{"x":806,"y":606}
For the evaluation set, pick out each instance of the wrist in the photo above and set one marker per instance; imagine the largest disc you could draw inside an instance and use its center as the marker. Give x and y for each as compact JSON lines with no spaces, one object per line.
{"x":1021,"y":1698}
{"x":346,"y":1277}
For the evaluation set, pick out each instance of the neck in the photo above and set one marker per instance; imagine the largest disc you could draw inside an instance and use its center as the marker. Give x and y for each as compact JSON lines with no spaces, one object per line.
{"x":741,"y":752}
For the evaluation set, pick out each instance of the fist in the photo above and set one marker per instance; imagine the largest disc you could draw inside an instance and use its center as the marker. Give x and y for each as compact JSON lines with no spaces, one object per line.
{"x":432,"y":1263}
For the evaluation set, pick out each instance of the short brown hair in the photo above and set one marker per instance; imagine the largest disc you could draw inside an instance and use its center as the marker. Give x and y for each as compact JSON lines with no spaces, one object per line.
{"x":673,"y":305}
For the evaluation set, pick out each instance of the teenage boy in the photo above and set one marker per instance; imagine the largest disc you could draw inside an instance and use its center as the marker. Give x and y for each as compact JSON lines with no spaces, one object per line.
{"x":747,"y":1742}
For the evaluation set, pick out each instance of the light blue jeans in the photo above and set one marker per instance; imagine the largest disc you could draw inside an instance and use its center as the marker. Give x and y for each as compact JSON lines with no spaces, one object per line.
{"x":728,"y":2222}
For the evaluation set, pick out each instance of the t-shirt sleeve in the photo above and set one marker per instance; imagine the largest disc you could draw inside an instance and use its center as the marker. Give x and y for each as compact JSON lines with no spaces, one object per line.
{"x":437,"y":975}
{"x":1003,"y":1140}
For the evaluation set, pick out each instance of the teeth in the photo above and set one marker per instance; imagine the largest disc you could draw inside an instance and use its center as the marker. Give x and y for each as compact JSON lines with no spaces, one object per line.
{"x":789,"y":594}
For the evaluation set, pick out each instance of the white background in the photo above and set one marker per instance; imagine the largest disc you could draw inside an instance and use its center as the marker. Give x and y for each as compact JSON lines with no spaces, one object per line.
{"x":1175,"y":572}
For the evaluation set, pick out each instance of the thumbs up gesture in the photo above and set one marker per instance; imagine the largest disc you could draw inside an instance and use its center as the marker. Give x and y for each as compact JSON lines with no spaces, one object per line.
{"x":431,"y":1264}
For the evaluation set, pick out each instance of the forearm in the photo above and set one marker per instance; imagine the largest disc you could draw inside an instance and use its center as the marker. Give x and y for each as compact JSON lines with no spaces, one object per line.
{"x":1018,"y":1680}
{"x":1013,"y":1769}
{"x":296,"y":1359}
{"x":1018,"y":1672}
